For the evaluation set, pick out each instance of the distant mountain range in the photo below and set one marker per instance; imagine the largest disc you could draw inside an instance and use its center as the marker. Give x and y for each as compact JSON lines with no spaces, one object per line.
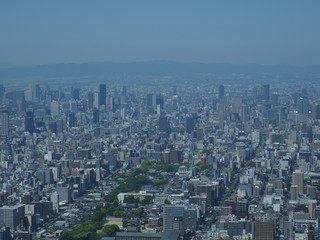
{"x":148,"y":68}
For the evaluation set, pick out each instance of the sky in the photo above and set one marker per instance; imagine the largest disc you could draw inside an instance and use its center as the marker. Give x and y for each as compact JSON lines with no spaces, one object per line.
{"x":266,"y":32}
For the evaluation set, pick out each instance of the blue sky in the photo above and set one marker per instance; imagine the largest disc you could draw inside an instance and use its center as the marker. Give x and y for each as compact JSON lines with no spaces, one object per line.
{"x":74,"y":31}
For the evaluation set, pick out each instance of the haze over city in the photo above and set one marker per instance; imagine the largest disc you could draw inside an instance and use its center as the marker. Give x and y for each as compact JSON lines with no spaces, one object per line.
{"x":260,"y":32}
{"x":159,"y":120}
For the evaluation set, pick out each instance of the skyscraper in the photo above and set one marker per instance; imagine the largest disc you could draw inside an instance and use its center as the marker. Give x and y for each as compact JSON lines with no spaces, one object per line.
{"x":303,"y":105}
{"x":163,"y":124}
{"x":4,"y":121}
{"x":95,"y":116}
{"x":12,"y":216}
{"x":124,"y":91}
{"x":90,"y":100}
{"x":265,"y":92}
{"x":189,"y":124}
{"x":72,"y":119}
{"x":315,"y":111}
{"x":264,"y":227}
{"x":297,"y":179}
{"x":102,"y":94}
{"x":221,"y":92}
{"x":29,"y":121}
{"x":173,"y":218}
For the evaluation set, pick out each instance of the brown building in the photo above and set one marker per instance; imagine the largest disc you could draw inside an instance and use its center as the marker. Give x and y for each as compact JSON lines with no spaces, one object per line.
{"x":264,"y":227}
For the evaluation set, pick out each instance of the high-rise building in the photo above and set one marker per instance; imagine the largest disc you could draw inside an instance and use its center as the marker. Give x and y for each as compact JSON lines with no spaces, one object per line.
{"x":75,"y":93}
{"x":12,"y":216}
{"x":311,"y":208}
{"x":4,"y":123}
{"x":95,"y":116}
{"x":294,"y":192}
{"x":297,"y":179}
{"x":244,"y":113}
{"x":72,"y":120}
{"x":264,"y":227}
{"x":36,"y":92}
{"x":265,"y":93}
{"x":45,"y":175}
{"x":157,"y":100}
{"x":29,"y":121}
{"x":124,"y":91}
{"x":178,"y":217}
{"x":189,"y":124}
{"x":242,"y":208}
{"x":221,"y":92}
{"x":315,"y":111}
{"x":163,"y":124}
{"x":54,"y":197}
{"x":54,"y":108}
{"x":64,"y":192}
{"x":2,"y":91}
{"x":173,"y":218}
{"x":303,"y":105}
{"x":52,"y":126}
{"x":90,"y":100}
{"x":102,"y":94}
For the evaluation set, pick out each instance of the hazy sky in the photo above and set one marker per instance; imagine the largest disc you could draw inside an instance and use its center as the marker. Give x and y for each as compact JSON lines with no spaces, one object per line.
{"x":238,"y":31}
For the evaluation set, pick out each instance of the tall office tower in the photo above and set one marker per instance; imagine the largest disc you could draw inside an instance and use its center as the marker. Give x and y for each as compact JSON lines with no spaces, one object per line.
{"x":36,"y":92}
{"x":189,"y":124}
{"x":55,"y":108}
{"x":294,"y":192}
{"x":60,"y":125}
{"x":73,"y":106}
{"x":275,"y":99}
{"x":315,"y":111}
{"x":124,"y":91}
{"x":29,"y":121}
{"x":12,"y":216}
{"x":254,"y":93}
{"x":53,"y":127}
{"x":4,"y":123}
{"x":44,"y":175}
{"x":173,"y":218}
{"x":96,"y":97}
{"x":95,"y":116}
{"x":149,"y":100}
{"x":311,"y":208}
{"x":287,"y":228}
{"x":244,"y":113}
{"x":177,"y":217}
{"x":102,"y":94}
{"x":54,"y":197}
{"x":265,"y":93}
{"x":221,"y":114}
{"x":64,"y":192}
{"x":2,"y":91}
{"x":163,"y":124}
{"x":303,"y":105}
{"x":297,"y":179}
{"x":75,"y":93}
{"x":264,"y":227}
{"x":72,"y":120}
{"x":242,"y":208}
{"x":90,"y":100}
{"x":157,"y":99}
{"x":221,"y":92}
